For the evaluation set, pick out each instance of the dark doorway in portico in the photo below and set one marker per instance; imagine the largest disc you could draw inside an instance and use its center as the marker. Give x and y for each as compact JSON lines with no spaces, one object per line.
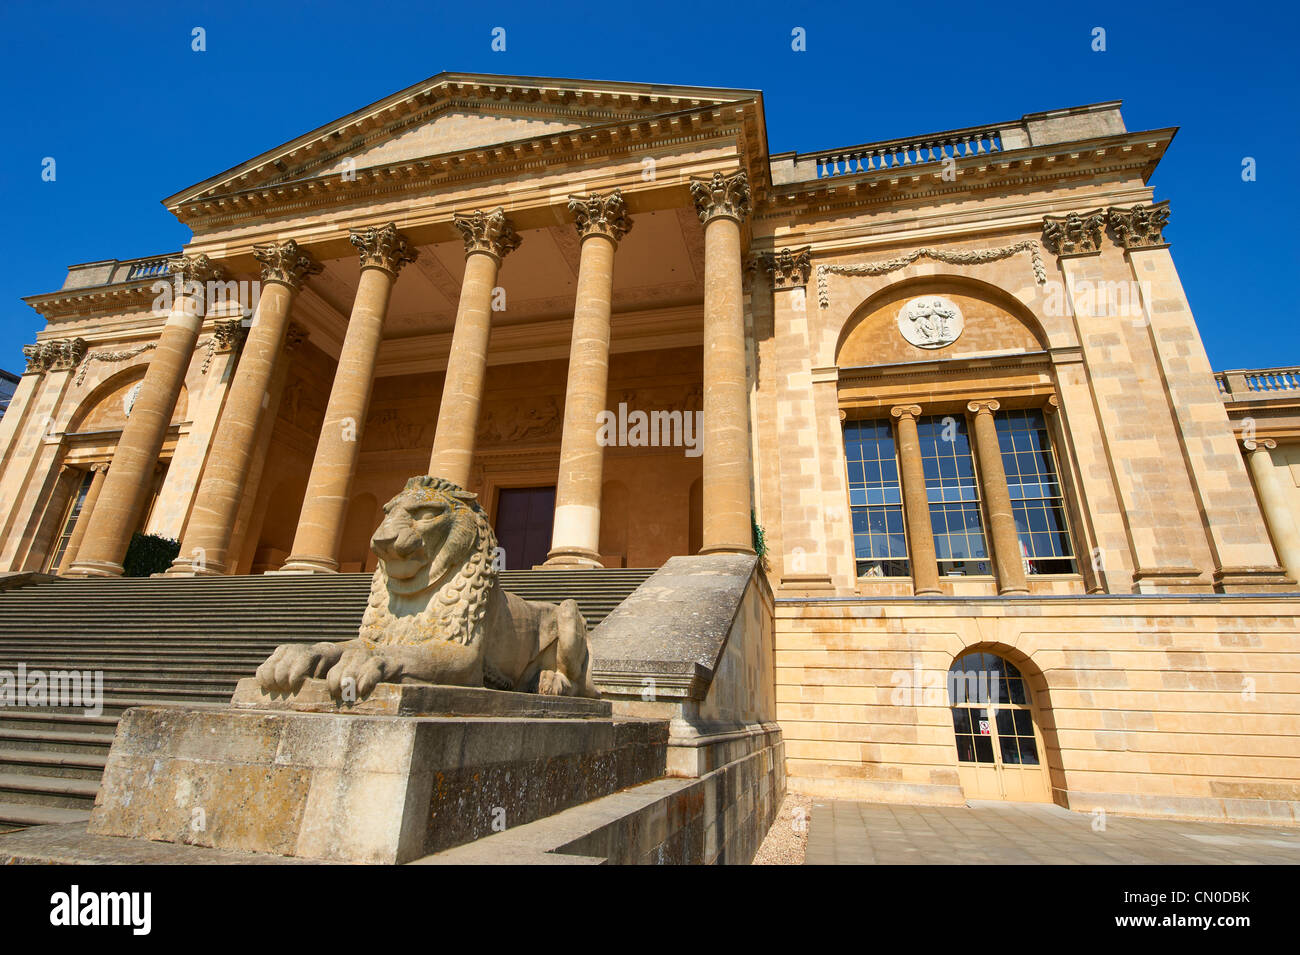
{"x":524,"y":518}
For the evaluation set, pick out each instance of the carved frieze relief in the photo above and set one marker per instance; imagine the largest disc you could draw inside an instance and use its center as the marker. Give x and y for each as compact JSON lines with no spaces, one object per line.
{"x":930,"y":321}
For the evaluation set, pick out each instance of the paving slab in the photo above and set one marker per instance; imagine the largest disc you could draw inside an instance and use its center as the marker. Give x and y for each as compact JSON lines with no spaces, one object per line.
{"x":984,"y":833}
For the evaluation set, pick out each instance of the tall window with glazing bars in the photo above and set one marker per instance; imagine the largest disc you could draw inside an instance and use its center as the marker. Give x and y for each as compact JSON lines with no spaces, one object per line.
{"x":954,"y":494}
{"x":875,"y":500}
{"x":1037,"y":503}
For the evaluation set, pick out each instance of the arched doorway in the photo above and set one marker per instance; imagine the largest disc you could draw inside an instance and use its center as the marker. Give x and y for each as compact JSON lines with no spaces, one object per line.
{"x":1000,"y":751}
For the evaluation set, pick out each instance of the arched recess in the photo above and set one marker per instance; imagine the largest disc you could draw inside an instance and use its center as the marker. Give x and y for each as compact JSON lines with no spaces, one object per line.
{"x":358,"y":527}
{"x":1039,"y":704}
{"x":995,"y":323}
{"x":614,"y":503}
{"x":105,"y":408}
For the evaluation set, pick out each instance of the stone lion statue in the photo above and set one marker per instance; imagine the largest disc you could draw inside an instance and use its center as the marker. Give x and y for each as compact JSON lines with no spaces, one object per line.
{"x":437,"y":613}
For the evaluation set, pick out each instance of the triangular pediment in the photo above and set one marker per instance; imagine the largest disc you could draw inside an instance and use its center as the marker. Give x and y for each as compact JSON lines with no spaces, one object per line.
{"x":452,"y":113}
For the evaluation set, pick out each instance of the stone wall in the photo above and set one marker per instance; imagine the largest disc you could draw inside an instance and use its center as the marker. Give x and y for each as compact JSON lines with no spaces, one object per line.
{"x":719,"y":818}
{"x":1179,"y":707}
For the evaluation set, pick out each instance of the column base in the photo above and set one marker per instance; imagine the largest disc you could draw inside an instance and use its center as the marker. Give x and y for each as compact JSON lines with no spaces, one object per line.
{"x":727,"y":549}
{"x":94,"y":568}
{"x":184,"y":567}
{"x":306,"y":565}
{"x":572,"y":558}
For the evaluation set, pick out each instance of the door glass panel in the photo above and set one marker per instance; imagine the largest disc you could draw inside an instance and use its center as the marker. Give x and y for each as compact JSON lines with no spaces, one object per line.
{"x":1001,"y":734}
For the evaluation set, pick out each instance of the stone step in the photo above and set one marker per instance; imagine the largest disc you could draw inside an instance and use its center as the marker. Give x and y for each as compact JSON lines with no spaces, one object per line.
{"x":183,"y":641}
{"x":54,"y":791}
{"x":27,"y":814}
{"x":62,"y":740}
{"x":62,"y":765}
{"x":76,"y":721}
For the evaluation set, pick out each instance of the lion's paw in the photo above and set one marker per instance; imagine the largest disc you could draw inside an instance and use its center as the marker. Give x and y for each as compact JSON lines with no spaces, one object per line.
{"x":285,"y":670}
{"x":554,"y":683}
{"x":358,"y":672}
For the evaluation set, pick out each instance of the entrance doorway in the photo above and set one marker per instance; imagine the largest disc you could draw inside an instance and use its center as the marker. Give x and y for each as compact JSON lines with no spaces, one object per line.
{"x":1000,"y":751}
{"x":524,"y":519}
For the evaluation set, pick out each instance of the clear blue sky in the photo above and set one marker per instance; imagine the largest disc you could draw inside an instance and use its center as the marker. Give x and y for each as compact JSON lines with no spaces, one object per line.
{"x":114,"y":93}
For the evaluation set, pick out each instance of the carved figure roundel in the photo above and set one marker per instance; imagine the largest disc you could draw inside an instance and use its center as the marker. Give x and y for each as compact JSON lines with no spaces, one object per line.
{"x":931,"y":321}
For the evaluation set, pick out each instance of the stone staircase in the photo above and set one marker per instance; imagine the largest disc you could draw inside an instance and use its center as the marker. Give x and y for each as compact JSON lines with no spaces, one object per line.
{"x":180,"y":640}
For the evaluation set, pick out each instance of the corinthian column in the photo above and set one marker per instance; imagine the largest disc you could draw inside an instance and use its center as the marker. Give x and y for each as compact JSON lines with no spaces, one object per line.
{"x":206,"y":540}
{"x":575,"y":541}
{"x":1273,"y":500}
{"x":83,"y":519}
{"x":723,"y":203}
{"x":126,"y":487}
{"x":916,"y":503}
{"x":489,"y":237}
{"x":320,"y":525}
{"x":997,"y":498}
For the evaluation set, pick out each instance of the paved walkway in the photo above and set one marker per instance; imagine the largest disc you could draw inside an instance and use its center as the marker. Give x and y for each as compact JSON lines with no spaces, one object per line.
{"x":861,"y":833}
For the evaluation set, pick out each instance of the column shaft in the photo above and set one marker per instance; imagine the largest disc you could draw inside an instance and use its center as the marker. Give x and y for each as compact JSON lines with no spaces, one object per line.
{"x":126,"y":488}
{"x":83,"y":519}
{"x":207,"y":537}
{"x":1003,"y":537}
{"x":575,"y":539}
{"x":320,"y":525}
{"x":1277,"y":511}
{"x":462,"y":392}
{"x":916,"y":504}
{"x":728,"y":521}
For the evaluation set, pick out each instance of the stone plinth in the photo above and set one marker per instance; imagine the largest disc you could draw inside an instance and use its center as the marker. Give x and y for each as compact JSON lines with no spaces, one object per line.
{"x":406,"y":699}
{"x":307,"y":778}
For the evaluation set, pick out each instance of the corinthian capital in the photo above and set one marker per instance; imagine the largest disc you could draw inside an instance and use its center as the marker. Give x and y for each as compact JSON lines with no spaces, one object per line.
{"x":194,"y":268}
{"x":382,"y":247}
{"x":286,"y":263}
{"x":1073,"y":234}
{"x":722,"y":197}
{"x":1141,"y":227}
{"x":489,"y":232}
{"x":789,"y":268}
{"x":601,"y":215}
{"x":57,"y":354}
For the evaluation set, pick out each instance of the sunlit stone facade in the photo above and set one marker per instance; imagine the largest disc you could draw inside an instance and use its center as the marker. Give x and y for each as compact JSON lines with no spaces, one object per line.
{"x":950,"y":386}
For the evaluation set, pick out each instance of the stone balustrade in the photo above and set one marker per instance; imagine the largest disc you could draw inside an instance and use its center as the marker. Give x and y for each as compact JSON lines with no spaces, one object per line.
{"x":1255,"y":383}
{"x":912,"y":151}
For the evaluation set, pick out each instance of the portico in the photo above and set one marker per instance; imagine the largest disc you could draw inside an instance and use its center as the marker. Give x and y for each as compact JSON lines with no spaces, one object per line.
{"x":419,"y":313}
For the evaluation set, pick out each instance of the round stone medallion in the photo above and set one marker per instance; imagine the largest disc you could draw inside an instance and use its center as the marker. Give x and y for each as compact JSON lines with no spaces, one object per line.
{"x":930,"y":321}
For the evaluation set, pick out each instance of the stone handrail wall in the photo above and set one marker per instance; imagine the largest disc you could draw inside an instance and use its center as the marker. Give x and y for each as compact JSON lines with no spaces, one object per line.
{"x":1253,"y":383}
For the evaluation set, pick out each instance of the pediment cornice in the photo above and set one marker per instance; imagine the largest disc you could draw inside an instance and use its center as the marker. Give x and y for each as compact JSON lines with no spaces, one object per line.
{"x":590,"y":111}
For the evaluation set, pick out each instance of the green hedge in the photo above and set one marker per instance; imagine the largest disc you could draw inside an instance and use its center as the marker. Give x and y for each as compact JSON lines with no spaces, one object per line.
{"x":149,"y":554}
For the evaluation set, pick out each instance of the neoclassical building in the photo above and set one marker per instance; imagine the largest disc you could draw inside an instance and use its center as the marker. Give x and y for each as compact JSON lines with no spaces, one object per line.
{"x":1023,"y":543}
